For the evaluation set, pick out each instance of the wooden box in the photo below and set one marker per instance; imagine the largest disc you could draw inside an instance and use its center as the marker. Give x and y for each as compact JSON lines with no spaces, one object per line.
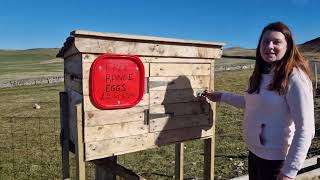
{"x":171,"y":110}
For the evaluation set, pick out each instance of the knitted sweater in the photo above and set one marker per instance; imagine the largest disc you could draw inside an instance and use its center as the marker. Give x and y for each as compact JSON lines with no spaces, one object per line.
{"x":278,"y":127}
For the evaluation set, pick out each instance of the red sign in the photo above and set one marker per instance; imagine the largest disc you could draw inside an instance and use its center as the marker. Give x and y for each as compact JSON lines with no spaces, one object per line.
{"x":116,"y":81}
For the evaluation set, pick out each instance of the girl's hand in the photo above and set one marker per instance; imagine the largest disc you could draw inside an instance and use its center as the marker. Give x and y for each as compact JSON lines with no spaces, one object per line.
{"x":283,"y":177}
{"x":212,"y":96}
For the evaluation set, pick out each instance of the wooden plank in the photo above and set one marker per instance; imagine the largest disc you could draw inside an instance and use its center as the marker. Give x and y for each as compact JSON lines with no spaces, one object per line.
{"x":73,"y":83}
{"x":179,"y":153}
{"x":130,"y":37}
{"x":118,"y":146}
{"x":208,"y":159}
{"x":175,"y":96}
{"x":212,"y":77}
{"x":74,"y":98}
{"x":209,"y":144}
{"x":68,"y":49}
{"x":96,"y":118}
{"x":175,"y":60}
{"x":64,"y":109}
{"x":178,"y":122}
{"x":86,"y":86}
{"x":88,"y":106}
{"x":98,"y":133}
{"x":115,"y":46}
{"x":116,"y":169}
{"x":177,"y":109}
{"x":171,"y":69}
{"x":87,"y":65}
{"x":73,"y":65}
{"x":79,"y":145}
{"x":178,"y":135}
{"x":89,"y":58}
{"x":181,"y":82}
{"x":103,"y":173}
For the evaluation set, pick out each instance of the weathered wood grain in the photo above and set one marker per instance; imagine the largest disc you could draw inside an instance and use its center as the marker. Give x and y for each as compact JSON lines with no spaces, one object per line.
{"x":179,"y":122}
{"x":177,"y":109}
{"x":118,"y":146}
{"x":175,"y":96}
{"x":71,"y":82}
{"x":151,"y":48}
{"x":172,"y":69}
{"x":73,"y":65}
{"x":97,"y":118}
{"x":124,"y":129}
{"x":180,"y":82}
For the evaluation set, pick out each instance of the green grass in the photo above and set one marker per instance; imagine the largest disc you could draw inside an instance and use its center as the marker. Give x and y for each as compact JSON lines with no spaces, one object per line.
{"x":32,"y":63}
{"x":237,"y":51}
{"x":30,"y":141}
{"x":233,"y":61}
{"x":29,"y":137}
{"x":30,"y":149}
{"x":28,"y":55}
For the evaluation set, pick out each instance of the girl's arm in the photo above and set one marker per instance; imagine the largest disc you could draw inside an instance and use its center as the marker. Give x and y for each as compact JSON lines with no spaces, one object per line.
{"x":229,"y":98}
{"x":300,"y":101}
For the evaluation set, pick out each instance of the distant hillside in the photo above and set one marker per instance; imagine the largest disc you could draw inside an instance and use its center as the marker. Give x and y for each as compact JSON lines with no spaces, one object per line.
{"x":310,"y":49}
{"x":311,"y":46}
{"x":30,"y":63}
{"x":28,"y":54}
{"x":237,"y":52}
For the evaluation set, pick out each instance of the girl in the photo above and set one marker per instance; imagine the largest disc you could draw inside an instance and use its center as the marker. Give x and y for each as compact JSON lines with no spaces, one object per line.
{"x":278,"y":106}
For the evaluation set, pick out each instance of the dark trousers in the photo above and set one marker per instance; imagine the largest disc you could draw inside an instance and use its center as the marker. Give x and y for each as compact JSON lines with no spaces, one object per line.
{"x":262,"y":169}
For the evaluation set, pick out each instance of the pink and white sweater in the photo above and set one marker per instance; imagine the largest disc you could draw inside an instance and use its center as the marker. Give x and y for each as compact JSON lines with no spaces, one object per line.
{"x":279,"y":127}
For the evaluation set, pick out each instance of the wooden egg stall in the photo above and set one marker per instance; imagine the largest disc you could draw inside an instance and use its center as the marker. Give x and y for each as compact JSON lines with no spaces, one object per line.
{"x":99,"y":120}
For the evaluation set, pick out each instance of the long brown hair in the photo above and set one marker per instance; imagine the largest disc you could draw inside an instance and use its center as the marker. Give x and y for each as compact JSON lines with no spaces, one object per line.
{"x":282,"y":68}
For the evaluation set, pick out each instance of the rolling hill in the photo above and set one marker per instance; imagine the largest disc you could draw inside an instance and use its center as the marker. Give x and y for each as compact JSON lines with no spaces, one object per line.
{"x":38,"y":54}
{"x":310,"y":49}
{"x":42,"y":62}
{"x":30,"y":63}
{"x":312,"y":46}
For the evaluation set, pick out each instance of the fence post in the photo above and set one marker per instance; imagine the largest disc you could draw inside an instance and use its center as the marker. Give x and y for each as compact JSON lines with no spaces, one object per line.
{"x":79,"y":147}
{"x":179,"y":148}
{"x":64,"y":135}
{"x":208,"y":167}
{"x":106,"y":174}
{"x":209,"y":158}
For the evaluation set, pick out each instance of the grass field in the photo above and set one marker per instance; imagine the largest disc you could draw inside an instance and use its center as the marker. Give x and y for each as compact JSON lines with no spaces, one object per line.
{"x":35,"y":63}
{"x":32,"y":63}
{"x":30,"y":147}
{"x":29,"y":138}
{"x":233,"y":61}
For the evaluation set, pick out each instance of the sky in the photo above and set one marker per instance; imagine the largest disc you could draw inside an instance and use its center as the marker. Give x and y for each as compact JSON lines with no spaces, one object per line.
{"x":26,"y":24}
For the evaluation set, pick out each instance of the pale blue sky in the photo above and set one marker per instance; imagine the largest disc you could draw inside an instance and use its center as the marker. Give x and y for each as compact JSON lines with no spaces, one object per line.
{"x":28,"y":24}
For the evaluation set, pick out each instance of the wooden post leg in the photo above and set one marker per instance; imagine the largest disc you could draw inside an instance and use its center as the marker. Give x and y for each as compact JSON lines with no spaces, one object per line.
{"x":179,"y":161}
{"x":209,"y":159}
{"x":208,"y":168}
{"x":79,"y":147}
{"x":64,"y":135}
{"x":104,"y":174}
{"x":109,"y":165}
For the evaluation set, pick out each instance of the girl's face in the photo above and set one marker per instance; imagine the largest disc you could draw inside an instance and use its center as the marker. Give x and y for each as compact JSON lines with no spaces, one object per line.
{"x":273,"y":46}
